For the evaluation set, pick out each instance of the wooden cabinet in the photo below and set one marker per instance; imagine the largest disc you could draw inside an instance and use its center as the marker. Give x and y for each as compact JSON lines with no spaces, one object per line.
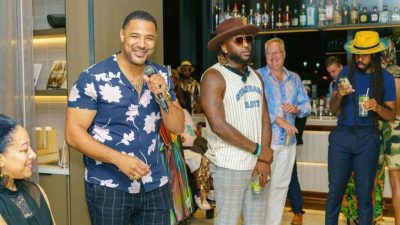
{"x":56,"y":187}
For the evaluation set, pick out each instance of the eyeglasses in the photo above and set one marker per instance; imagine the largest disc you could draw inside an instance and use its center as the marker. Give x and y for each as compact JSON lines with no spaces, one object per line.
{"x":240,"y":39}
{"x":273,"y":53}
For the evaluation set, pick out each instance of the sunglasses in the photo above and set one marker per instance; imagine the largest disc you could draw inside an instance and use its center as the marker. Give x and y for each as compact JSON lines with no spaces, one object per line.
{"x":240,"y":39}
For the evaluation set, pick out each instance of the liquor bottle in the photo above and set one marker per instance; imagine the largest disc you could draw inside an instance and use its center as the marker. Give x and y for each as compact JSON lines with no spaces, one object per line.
{"x":265,"y":16}
{"x":384,"y":15}
{"x":279,"y":17}
{"x":286,"y":17}
{"x":250,"y":19}
{"x":354,"y":13}
{"x":321,"y":13}
{"x":311,"y":14}
{"x":243,"y":14}
{"x":295,"y":18}
{"x":345,"y":13}
{"x":396,"y":14}
{"x":364,"y":15}
{"x":235,"y":12}
{"x":227,"y":12}
{"x":337,"y":15}
{"x":257,"y":15}
{"x":374,"y":18}
{"x":221,"y":16}
{"x":272,"y":16}
{"x":329,"y":12}
{"x":216,"y":16}
{"x":303,"y":16}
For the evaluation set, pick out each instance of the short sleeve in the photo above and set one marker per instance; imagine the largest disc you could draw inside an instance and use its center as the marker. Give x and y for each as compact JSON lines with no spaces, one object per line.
{"x":83,"y":94}
{"x":389,"y":91}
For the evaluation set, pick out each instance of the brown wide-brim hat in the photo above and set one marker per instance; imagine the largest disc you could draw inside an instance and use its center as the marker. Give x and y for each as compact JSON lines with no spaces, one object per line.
{"x":229,"y":28}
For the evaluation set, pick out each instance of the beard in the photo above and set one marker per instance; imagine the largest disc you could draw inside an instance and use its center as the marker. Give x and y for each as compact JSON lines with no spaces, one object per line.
{"x":236,"y":58}
{"x":365,"y":68}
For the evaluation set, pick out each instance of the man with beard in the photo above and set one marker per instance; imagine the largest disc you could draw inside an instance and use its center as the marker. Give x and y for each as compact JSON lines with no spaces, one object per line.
{"x":366,"y":96}
{"x":238,"y":126}
{"x":287,"y":99}
{"x":114,"y":119}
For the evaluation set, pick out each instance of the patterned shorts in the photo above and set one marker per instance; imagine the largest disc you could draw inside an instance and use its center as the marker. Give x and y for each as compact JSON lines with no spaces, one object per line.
{"x":391,"y":142}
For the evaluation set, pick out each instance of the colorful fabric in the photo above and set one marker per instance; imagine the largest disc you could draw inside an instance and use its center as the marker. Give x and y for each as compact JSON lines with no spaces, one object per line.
{"x":182,"y":201}
{"x":391,"y":138}
{"x":191,"y":87}
{"x":290,"y":90}
{"x":125,"y":120}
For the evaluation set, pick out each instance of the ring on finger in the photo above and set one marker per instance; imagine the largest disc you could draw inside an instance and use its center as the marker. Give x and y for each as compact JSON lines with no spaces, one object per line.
{"x":135,"y":177}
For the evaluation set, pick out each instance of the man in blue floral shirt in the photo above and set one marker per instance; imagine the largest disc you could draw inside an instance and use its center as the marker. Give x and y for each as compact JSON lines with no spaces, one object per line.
{"x":286,"y":100}
{"x":114,"y":119}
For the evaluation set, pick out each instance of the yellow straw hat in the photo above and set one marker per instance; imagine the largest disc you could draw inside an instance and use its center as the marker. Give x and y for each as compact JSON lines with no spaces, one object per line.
{"x":366,"y":42}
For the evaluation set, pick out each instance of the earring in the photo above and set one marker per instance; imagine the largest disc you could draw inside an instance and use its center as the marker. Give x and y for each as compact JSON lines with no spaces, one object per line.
{"x":225,"y":51}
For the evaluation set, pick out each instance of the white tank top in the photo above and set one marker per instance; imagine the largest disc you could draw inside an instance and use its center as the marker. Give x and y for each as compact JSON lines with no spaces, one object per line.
{"x":243,"y":109}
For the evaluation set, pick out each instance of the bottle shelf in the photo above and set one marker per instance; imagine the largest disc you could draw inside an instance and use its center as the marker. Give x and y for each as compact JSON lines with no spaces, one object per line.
{"x":288,"y":30}
{"x":50,"y":32}
{"x":54,"y":92}
{"x":335,"y":53}
{"x":329,"y":28}
{"x":359,"y":26}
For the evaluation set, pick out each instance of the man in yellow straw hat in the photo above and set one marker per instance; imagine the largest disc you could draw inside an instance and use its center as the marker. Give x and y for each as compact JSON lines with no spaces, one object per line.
{"x":365,"y":93}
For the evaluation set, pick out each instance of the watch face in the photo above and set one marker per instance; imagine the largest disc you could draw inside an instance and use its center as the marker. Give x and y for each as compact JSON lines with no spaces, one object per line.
{"x":344,"y":81}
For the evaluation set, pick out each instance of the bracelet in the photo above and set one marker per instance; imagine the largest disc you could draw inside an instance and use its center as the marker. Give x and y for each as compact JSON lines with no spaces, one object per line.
{"x":167,"y":98}
{"x":266,"y":162}
{"x":258,"y":150}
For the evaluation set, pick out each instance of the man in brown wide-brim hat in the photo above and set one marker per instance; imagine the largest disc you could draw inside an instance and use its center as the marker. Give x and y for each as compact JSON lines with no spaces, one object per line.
{"x":238,"y":126}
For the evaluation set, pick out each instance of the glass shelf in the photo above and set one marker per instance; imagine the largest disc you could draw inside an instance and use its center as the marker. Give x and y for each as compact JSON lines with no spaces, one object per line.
{"x":328,"y":28}
{"x":49,"y":32}
{"x":54,"y":92}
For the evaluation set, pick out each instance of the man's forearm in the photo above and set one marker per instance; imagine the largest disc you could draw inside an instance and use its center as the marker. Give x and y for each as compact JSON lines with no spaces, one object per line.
{"x":174,"y":120}
{"x":386,"y":113}
{"x":231,"y":135}
{"x":334,"y":104}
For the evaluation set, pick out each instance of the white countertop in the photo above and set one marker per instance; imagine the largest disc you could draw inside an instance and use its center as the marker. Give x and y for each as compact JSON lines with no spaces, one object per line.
{"x":321,"y":121}
{"x":311,"y":120}
{"x":53,"y":169}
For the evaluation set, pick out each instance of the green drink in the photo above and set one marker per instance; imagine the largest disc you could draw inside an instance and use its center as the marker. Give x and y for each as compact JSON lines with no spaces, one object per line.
{"x":362,"y":110}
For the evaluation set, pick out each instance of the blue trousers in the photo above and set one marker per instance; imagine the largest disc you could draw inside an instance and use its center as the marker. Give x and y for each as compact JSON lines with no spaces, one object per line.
{"x":356,"y":149}
{"x":294,"y":192}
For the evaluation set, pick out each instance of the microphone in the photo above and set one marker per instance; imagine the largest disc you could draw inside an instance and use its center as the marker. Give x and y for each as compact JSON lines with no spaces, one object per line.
{"x":148,"y":71}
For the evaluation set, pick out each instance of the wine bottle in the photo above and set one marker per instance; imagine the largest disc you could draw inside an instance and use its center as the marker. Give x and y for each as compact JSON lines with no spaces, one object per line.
{"x":311,"y":14}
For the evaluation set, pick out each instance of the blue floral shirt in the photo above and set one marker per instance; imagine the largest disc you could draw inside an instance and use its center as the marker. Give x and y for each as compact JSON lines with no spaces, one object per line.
{"x":290,"y":90}
{"x":125,"y":121}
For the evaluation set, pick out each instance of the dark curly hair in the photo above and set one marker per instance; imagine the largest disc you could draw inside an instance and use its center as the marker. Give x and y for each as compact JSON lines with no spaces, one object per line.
{"x":139,"y":15}
{"x":7,"y":128}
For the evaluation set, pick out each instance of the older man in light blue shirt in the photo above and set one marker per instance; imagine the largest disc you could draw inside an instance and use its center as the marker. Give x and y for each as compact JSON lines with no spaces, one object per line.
{"x":286,"y":99}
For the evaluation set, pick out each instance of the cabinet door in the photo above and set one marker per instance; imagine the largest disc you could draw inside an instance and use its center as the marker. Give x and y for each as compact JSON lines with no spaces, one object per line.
{"x":56,"y":189}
